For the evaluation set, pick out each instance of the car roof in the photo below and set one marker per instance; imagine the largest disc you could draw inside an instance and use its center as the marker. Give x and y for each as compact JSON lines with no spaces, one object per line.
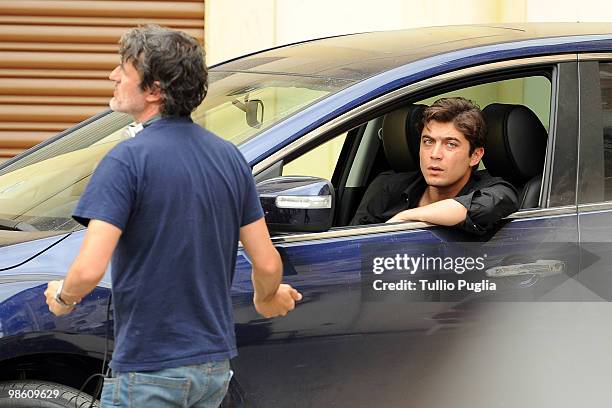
{"x":359,"y":56}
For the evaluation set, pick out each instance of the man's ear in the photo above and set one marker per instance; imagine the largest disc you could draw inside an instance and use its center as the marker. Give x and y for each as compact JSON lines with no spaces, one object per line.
{"x":154,"y":93}
{"x":476,"y":156}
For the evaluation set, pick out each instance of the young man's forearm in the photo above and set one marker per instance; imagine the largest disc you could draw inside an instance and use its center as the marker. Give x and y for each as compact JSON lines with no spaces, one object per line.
{"x":445,"y":212}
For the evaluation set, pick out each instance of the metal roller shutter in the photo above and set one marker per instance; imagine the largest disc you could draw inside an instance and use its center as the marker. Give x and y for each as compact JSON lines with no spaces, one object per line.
{"x":55,"y":57}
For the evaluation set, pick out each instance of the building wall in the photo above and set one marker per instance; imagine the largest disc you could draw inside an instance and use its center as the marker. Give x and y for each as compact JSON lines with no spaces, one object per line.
{"x":237,"y":27}
{"x":55,"y":57}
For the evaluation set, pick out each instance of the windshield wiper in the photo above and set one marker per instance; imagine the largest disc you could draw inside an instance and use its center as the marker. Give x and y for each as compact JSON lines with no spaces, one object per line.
{"x":14,"y":225}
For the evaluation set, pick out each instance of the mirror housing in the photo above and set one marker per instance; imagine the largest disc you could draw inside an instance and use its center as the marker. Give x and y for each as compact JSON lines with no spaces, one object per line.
{"x":254,"y":113}
{"x":254,"y":110}
{"x":297,"y":203}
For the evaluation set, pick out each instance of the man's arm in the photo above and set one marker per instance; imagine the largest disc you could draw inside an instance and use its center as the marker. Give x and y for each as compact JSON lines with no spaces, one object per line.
{"x":477,"y":212}
{"x":271,"y":298}
{"x":445,"y":212}
{"x":88,"y":268}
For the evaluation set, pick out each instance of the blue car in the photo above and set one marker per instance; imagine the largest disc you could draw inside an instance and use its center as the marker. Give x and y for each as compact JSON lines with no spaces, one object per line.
{"x":394,"y":315}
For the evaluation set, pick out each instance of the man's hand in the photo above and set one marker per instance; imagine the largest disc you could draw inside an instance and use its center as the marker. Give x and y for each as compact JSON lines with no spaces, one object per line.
{"x":396,"y":218}
{"x":271,"y":298}
{"x":88,"y":267}
{"x":54,"y":307}
{"x":406,"y":215}
{"x":445,"y":212}
{"x":279,"y":304}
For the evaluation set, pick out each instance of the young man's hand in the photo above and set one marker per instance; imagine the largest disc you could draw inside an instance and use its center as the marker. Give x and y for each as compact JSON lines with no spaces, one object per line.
{"x":279,"y":304}
{"x":447,"y":212}
{"x":406,"y":215}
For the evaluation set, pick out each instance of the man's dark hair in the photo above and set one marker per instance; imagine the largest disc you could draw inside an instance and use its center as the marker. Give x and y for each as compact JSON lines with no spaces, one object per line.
{"x":172,"y":58}
{"x":464,"y":114}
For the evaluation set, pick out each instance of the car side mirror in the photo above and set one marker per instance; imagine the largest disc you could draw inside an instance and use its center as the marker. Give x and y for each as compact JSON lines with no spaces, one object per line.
{"x":297,"y":203}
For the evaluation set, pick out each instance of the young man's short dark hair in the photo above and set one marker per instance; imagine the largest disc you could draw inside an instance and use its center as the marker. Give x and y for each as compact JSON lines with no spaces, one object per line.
{"x":464,"y":114}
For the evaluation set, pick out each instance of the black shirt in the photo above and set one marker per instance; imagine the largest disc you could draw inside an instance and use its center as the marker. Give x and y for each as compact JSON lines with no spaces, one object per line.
{"x":487,"y":199}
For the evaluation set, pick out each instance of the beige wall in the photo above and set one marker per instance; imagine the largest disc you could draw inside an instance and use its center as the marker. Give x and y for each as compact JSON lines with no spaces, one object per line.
{"x":583,"y":10}
{"x":236,"y":27}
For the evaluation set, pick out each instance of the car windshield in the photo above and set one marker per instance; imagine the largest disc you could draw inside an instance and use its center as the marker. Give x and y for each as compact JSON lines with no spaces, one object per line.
{"x":40,"y":189}
{"x":239,"y":104}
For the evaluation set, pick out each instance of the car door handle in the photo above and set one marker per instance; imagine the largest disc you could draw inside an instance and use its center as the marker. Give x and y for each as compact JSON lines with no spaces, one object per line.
{"x":541,"y":267}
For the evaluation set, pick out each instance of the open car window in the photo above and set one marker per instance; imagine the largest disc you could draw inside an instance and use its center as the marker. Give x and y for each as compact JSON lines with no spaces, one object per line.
{"x":532,"y":91}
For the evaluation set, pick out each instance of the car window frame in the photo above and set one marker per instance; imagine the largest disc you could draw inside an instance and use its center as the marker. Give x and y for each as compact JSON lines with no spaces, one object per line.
{"x":590,"y":196}
{"x":562,"y":150}
{"x":355,"y":116}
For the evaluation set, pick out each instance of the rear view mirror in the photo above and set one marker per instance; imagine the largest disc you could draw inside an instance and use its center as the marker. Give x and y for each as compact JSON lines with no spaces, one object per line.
{"x":254,"y":113}
{"x":297,"y":203}
{"x":254,"y":110}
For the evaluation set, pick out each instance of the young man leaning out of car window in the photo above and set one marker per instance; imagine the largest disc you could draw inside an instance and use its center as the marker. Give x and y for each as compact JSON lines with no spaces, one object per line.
{"x":448,"y":190}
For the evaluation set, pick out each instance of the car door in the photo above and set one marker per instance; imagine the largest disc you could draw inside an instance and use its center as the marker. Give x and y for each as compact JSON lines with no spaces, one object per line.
{"x":357,"y":342}
{"x":593,"y":323}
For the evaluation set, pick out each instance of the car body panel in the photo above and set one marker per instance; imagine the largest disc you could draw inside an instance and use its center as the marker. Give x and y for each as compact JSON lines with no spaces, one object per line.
{"x":18,"y":247}
{"x":347,"y":343}
{"x":25,"y":322}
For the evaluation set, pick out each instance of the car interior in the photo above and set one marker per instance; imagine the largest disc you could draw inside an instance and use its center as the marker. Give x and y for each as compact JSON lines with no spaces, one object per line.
{"x":365,"y":156}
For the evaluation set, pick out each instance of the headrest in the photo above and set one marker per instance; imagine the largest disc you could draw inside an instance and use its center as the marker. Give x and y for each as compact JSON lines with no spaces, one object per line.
{"x":401,"y":137}
{"x":516,"y":142}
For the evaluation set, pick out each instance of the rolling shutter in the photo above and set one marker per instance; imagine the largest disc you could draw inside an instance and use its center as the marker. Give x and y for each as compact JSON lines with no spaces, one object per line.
{"x":55,"y":57}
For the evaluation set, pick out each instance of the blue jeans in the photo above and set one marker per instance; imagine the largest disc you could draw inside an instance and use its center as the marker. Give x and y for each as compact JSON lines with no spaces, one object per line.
{"x":199,"y":386}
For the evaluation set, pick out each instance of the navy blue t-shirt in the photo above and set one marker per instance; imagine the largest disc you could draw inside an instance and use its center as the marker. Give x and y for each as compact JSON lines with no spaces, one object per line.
{"x":180,"y":195}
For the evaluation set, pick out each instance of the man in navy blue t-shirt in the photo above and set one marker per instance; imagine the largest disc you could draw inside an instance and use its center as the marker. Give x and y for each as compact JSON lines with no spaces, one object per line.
{"x":169,"y":206}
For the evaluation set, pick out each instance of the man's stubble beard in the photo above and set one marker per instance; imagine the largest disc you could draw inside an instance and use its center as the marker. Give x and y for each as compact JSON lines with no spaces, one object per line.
{"x":113,"y":104}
